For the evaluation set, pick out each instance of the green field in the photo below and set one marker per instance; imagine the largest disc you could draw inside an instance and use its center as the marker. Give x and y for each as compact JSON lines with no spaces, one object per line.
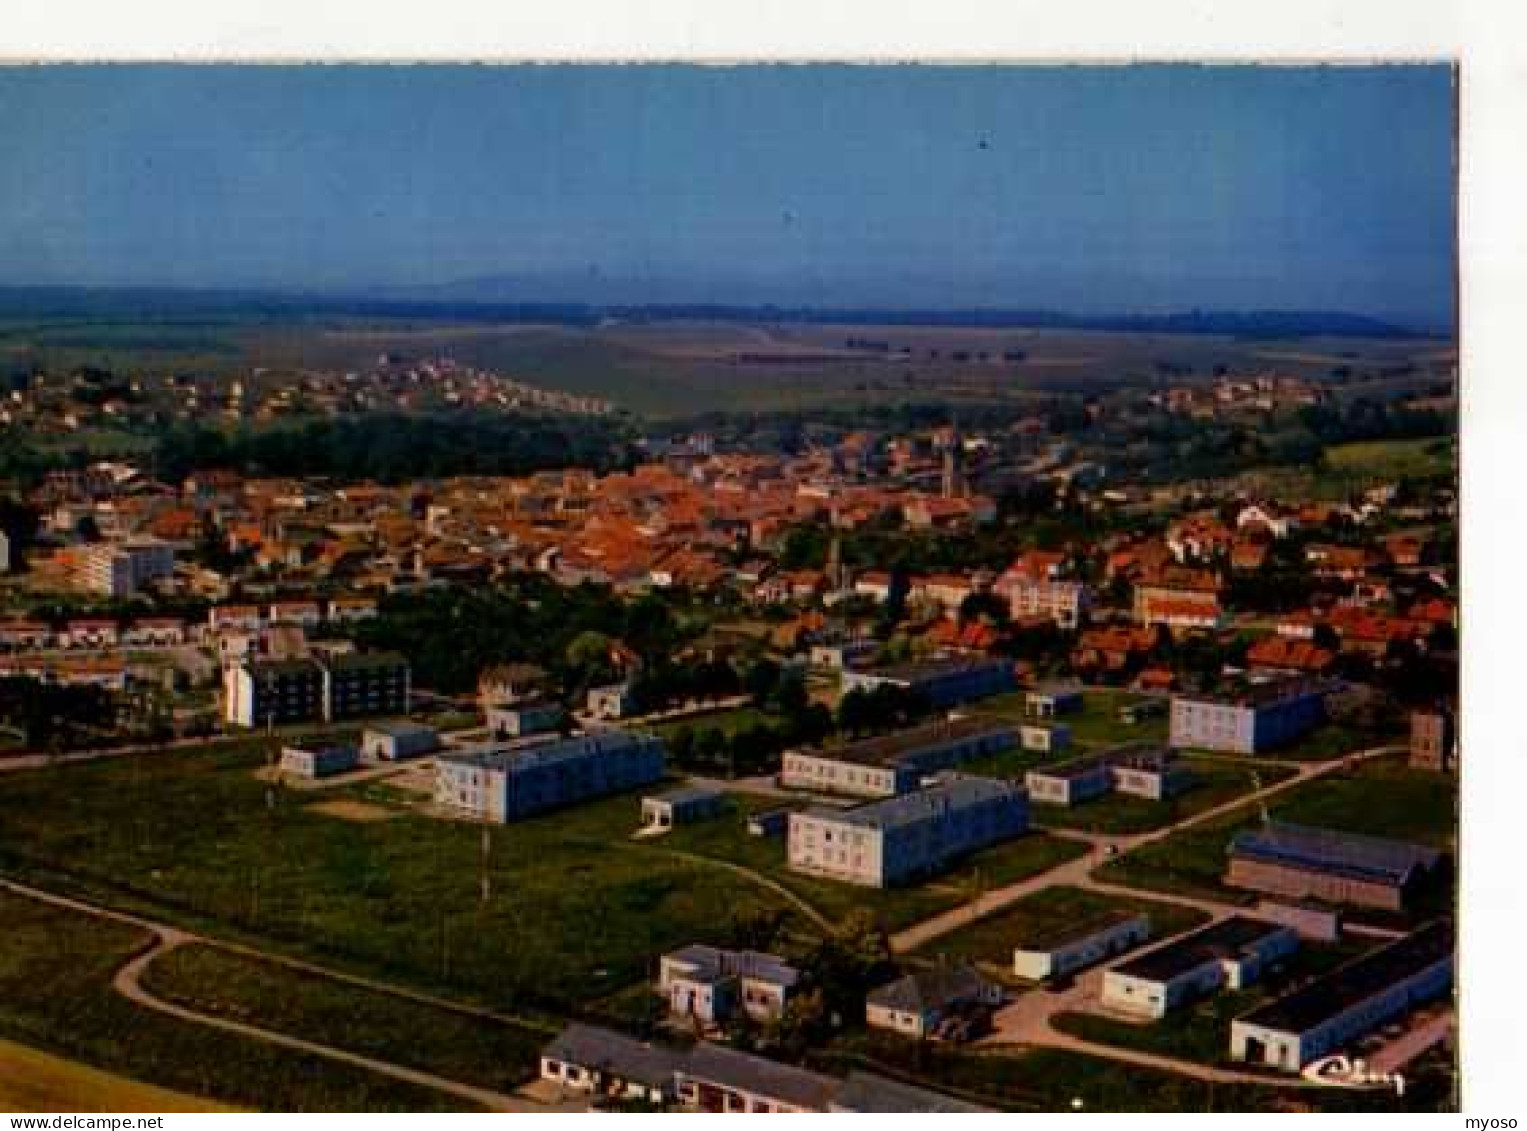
{"x":1393,"y":459}
{"x":1216,"y":782}
{"x":1096,"y":724}
{"x":35,"y":1081}
{"x":56,"y":995}
{"x":458,"y":1046}
{"x":574,"y":908}
{"x":1380,"y":797}
{"x":994,"y":938}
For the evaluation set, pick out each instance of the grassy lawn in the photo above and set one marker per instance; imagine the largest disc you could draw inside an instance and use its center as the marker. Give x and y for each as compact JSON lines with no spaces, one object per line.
{"x":473,"y":1050}
{"x":1201,"y":1030}
{"x":55,"y":994}
{"x":1217,"y":781}
{"x":728,"y":722}
{"x":36,"y":1081}
{"x":1335,"y":740}
{"x":994,"y":938}
{"x":726,"y":838}
{"x":1097,"y":723}
{"x":574,"y":908}
{"x":1381,"y":797}
{"x":1392,"y":459}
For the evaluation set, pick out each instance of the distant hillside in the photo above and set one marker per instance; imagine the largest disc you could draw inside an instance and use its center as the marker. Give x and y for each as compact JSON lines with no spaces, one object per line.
{"x":169,"y":305}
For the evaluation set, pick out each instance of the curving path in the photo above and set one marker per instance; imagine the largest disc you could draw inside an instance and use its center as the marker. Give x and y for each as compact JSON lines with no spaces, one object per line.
{"x":128,"y":983}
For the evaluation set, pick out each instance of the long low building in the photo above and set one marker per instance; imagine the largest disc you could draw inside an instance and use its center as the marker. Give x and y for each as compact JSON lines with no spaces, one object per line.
{"x":495,"y":784}
{"x":1301,"y":862}
{"x":1138,"y":769}
{"x":906,"y":838}
{"x":894,"y":763}
{"x":1231,"y":953}
{"x":942,"y":682}
{"x":1075,"y":945}
{"x":609,"y":1066}
{"x":1349,"y":1002}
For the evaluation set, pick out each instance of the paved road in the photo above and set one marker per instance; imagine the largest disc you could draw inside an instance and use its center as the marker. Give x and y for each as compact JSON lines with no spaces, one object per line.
{"x":128,"y":982}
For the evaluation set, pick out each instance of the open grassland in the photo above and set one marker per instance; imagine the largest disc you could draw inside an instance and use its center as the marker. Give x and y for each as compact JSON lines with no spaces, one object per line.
{"x":37,"y":1081}
{"x":459,"y":1046}
{"x":1216,"y":781}
{"x":1380,"y":797}
{"x":1393,"y":459}
{"x":994,"y":938}
{"x":571,"y":909}
{"x":1096,"y":724}
{"x":56,"y":968}
{"x":681,"y":368}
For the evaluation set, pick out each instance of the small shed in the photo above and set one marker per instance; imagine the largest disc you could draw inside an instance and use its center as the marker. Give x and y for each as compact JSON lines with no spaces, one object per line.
{"x":1050,"y":701}
{"x":318,"y":761}
{"x":681,"y":806}
{"x":392,"y":742}
{"x":1046,"y":739}
{"x":769,"y":822}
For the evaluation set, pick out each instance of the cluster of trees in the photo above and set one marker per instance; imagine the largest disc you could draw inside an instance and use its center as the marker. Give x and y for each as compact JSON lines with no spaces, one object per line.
{"x":789,"y":719}
{"x":451,"y":634}
{"x":392,"y":448}
{"x":49,"y":716}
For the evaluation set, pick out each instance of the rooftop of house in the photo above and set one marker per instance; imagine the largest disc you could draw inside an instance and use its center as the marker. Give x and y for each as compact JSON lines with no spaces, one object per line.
{"x":1056,"y":934}
{"x":616,"y":1054}
{"x":916,"y":670}
{"x":495,"y":756}
{"x":798,"y":1087}
{"x":866,"y":1092}
{"x":930,"y":989}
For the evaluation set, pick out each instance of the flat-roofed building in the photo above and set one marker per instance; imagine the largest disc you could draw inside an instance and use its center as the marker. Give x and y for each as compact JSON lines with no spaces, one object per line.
{"x":526,"y":717}
{"x":711,"y":985}
{"x":1351,"y":1001}
{"x":1231,"y":953}
{"x":1064,"y":602}
{"x":1074,"y":945}
{"x":1050,"y":700}
{"x":395,"y":741}
{"x":1140,"y":769}
{"x":1301,"y":862}
{"x":905,"y":838}
{"x":318,"y":760}
{"x":894,"y":763}
{"x":1259,"y":717}
{"x":492,"y":783}
{"x":941,"y":682}
{"x":681,"y":806}
{"x":1045,"y":739}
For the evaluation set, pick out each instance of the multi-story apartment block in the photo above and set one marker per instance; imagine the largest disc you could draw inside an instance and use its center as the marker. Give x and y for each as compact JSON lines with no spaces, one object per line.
{"x":360,"y":684}
{"x":497,"y":784}
{"x":894,"y":763}
{"x":901,"y":839}
{"x":1259,"y":717}
{"x":120,"y":569}
{"x":1063,"y":602}
{"x":272,"y":692}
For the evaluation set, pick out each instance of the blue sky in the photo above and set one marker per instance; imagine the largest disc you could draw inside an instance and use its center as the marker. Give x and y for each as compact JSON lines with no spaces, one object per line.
{"x":1081,"y":188}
